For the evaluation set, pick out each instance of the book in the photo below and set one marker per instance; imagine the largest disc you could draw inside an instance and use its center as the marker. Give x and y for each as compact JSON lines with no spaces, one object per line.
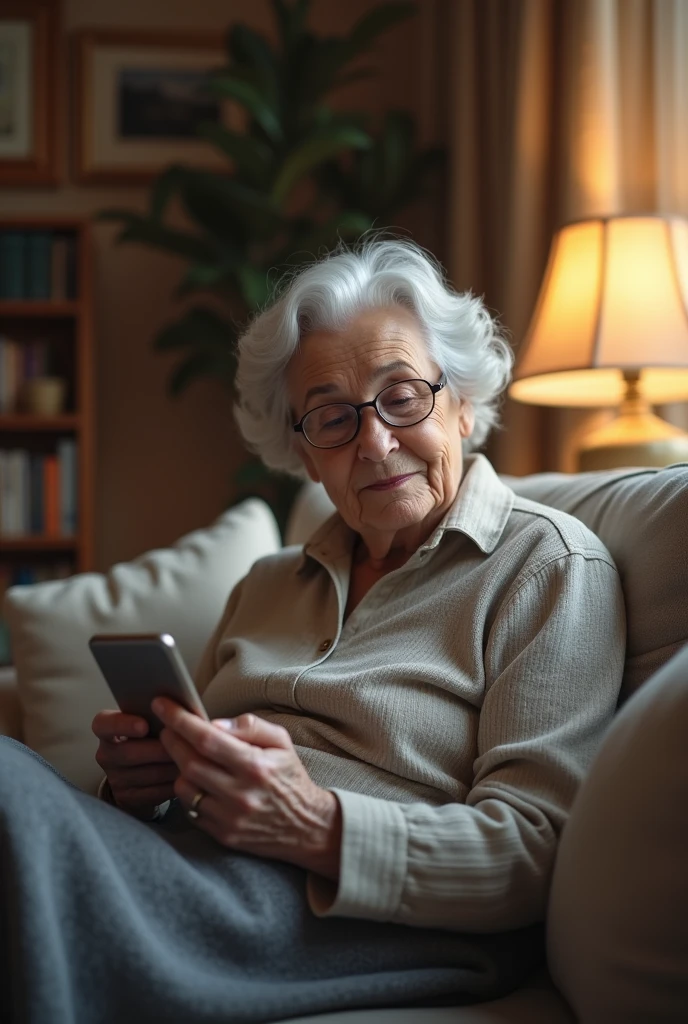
{"x":12,"y":265}
{"x":67,"y":459}
{"x":51,"y":492}
{"x":24,"y":483}
{"x":38,"y":264}
{"x":35,"y":359}
{"x":59,"y":268}
{"x":72,"y":276}
{"x":37,"y":509}
{"x":14,"y":492}
{"x":10,"y":375}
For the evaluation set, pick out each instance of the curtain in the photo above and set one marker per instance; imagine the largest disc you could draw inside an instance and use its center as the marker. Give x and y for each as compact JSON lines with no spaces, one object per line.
{"x":558,"y":109}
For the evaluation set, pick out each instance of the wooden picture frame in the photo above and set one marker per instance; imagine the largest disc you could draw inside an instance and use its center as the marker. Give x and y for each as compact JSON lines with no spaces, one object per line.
{"x":131,"y":89}
{"x":29,"y":58}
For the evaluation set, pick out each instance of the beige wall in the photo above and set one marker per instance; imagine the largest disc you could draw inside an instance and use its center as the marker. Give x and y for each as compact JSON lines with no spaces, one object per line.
{"x":164,"y":466}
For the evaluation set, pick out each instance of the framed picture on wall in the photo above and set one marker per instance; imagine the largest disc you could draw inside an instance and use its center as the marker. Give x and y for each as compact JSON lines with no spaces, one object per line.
{"x":29,"y":41}
{"x":140,"y":98}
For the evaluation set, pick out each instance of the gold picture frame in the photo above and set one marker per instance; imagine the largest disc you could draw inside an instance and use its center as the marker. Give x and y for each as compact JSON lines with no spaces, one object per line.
{"x":29,"y":52}
{"x":137,"y":99}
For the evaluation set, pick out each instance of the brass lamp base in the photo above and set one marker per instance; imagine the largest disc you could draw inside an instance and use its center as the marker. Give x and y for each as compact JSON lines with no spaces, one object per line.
{"x":635,"y":438}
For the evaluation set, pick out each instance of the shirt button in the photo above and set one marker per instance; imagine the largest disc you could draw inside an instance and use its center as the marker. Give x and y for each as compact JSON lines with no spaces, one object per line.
{"x":325,"y":645}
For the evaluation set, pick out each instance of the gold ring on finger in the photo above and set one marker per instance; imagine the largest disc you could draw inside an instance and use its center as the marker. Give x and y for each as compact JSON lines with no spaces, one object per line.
{"x":195,"y":804}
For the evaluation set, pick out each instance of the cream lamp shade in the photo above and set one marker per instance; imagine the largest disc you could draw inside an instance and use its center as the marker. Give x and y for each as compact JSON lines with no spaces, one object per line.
{"x":611,"y":326}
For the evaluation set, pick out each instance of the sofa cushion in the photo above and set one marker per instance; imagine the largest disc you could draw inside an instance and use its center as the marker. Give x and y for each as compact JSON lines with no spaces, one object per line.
{"x":618,"y":912}
{"x":180,"y":590}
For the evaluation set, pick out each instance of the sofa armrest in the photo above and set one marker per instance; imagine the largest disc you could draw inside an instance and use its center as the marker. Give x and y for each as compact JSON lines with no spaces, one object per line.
{"x":10,"y":710}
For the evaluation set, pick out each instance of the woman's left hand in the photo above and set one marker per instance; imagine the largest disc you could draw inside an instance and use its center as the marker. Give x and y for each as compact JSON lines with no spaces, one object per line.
{"x":258,"y":797}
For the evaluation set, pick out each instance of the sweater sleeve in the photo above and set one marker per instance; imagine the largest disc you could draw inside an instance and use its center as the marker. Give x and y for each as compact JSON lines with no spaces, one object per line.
{"x":553,"y":667}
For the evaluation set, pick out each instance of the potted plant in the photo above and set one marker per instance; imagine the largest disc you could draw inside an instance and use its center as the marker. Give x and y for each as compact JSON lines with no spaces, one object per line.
{"x":301,"y":175}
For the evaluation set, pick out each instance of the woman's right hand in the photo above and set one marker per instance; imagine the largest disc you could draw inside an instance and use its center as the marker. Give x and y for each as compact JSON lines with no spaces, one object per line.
{"x":139,"y":770}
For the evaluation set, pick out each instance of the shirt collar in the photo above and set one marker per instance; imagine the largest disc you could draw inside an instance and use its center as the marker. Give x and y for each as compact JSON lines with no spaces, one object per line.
{"x":480,"y":510}
{"x":332,"y":542}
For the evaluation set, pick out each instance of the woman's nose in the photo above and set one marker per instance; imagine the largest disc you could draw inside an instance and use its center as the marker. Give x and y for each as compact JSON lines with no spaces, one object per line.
{"x":376,"y":439}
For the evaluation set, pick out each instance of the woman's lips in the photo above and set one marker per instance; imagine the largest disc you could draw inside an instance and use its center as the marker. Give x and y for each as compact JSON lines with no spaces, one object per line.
{"x":390,"y":483}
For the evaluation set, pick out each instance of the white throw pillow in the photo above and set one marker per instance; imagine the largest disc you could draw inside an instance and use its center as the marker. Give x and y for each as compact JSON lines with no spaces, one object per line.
{"x":617,"y":922}
{"x":180,"y":590}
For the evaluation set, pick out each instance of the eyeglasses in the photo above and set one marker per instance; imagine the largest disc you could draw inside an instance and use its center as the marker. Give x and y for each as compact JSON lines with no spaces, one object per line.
{"x":399,"y":405}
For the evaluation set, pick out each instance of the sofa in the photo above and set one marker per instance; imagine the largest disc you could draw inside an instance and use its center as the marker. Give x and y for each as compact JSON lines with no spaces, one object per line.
{"x":618,"y":913}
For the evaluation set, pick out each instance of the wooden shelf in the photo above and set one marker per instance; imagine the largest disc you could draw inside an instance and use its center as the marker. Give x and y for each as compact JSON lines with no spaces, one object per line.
{"x":65,"y":327}
{"x":22,"y":422}
{"x":38,"y":543}
{"x":39,"y":308}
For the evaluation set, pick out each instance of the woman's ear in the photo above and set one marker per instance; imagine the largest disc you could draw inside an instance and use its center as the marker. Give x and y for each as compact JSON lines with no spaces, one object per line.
{"x":466,"y":419}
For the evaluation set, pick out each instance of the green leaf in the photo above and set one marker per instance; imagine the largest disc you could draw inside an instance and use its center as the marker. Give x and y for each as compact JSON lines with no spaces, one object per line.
{"x":375,"y":22}
{"x":346,"y":78}
{"x":250,"y":97}
{"x":200,"y":328}
{"x":250,"y":49}
{"x":397,"y":144}
{"x":204,"y":277}
{"x":115,"y":214}
{"x":281,"y":14}
{"x":179,"y":243}
{"x":198,"y":365}
{"x":317,"y":240}
{"x":252,"y":157}
{"x":316,"y":64}
{"x":227,"y":208}
{"x":325,"y":117}
{"x":290,"y":19}
{"x":163,"y":188}
{"x":211,"y":344}
{"x":255,"y":285}
{"x":328,"y":142}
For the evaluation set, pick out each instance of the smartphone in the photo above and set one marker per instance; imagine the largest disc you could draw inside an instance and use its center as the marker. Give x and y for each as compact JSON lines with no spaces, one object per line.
{"x":141,"y":666}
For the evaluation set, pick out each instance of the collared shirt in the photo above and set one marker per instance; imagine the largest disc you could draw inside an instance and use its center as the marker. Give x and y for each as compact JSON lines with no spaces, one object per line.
{"x":453,"y":713}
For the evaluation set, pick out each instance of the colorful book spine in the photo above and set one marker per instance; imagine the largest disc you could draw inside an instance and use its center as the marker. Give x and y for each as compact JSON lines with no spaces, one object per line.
{"x":67,"y":458}
{"x":38,"y":493}
{"x":38,"y":265}
{"x":51,"y":492}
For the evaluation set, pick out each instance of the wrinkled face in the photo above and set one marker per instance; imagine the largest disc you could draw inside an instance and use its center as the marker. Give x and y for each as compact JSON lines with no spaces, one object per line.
{"x":387,"y":479}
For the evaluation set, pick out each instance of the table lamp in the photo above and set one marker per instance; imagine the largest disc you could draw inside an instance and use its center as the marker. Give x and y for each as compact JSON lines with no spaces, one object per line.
{"x":610,"y":328}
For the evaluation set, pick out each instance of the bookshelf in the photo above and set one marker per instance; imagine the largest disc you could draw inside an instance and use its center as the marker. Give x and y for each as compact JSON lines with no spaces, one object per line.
{"x":46,"y":451}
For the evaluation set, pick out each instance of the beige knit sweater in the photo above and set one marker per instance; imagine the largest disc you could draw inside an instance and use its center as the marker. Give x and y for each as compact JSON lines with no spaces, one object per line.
{"x":453,"y":714}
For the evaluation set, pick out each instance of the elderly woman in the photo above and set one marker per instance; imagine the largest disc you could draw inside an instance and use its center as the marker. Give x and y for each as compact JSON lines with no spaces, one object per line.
{"x":401,"y":711}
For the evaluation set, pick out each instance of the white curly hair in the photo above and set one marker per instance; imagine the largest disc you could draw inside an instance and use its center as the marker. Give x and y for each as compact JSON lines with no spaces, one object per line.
{"x":461,"y":336}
